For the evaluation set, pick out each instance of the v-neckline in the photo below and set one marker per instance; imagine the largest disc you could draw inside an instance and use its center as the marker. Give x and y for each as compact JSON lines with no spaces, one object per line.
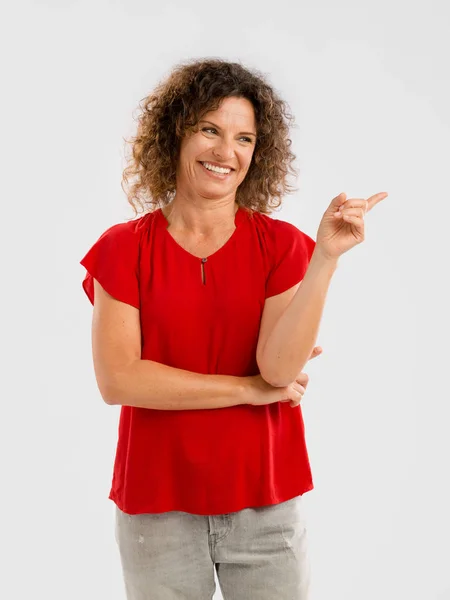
{"x":164,"y":223}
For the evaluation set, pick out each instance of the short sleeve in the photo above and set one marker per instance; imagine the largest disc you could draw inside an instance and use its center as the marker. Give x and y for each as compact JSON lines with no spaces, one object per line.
{"x":114,"y":261}
{"x":291,"y":252}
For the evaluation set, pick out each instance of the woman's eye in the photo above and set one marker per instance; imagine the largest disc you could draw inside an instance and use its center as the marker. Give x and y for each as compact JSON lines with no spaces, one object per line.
{"x":247,"y":139}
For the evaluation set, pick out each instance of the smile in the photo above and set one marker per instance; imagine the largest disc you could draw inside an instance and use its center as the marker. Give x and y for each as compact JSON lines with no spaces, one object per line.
{"x":217,"y":174}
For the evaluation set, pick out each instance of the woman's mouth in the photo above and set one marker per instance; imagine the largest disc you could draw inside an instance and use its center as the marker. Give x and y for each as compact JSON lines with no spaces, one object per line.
{"x":215,"y":174}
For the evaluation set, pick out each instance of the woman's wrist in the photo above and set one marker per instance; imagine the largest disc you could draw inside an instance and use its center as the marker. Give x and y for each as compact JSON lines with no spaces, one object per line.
{"x":320,"y":260}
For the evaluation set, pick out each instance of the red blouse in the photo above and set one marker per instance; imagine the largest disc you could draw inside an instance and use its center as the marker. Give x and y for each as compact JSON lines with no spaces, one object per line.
{"x":203,"y":315}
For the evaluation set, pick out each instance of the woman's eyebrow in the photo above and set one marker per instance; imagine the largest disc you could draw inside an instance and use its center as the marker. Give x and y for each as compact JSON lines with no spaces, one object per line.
{"x":217,"y":127}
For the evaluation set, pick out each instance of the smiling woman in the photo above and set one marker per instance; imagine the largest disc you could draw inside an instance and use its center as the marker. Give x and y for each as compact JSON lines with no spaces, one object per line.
{"x":211,"y":457}
{"x":190,"y":100}
{"x":213,"y":161}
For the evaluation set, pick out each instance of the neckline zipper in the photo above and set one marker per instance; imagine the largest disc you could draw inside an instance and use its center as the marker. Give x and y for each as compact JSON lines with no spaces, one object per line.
{"x":203,"y":261}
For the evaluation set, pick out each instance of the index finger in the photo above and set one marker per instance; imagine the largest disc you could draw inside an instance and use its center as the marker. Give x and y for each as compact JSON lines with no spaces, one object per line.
{"x":373,"y":200}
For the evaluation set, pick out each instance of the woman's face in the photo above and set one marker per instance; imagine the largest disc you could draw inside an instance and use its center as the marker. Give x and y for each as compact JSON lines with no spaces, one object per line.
{"x":225,"y":138}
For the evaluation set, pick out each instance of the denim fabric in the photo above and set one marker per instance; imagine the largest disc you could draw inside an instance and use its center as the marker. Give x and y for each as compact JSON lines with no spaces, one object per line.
{"x":258,"y":553}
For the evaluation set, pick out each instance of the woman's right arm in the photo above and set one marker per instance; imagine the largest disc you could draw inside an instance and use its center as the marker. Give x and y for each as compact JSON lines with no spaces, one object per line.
{"x":123,"y":378}
{"x":149,"y":384}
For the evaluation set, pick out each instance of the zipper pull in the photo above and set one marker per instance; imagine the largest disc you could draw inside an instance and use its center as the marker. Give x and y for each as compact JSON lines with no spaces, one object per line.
{"x":203,"y":271}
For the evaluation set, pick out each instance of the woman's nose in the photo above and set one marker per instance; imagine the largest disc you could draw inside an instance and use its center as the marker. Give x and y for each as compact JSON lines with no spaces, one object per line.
{"x":223,"y":149}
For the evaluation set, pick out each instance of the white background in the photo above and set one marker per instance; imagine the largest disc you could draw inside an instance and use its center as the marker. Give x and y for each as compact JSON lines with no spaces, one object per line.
{"x":368,"y":84}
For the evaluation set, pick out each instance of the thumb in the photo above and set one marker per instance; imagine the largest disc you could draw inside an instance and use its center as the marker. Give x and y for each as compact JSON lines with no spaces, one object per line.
{"x":337,"y":202}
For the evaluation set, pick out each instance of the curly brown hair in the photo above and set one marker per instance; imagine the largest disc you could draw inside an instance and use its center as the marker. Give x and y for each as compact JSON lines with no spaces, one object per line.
{"x":192,"y":89}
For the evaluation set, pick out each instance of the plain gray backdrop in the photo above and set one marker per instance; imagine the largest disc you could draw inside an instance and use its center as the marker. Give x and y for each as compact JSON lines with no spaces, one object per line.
{"x":368,"y":83}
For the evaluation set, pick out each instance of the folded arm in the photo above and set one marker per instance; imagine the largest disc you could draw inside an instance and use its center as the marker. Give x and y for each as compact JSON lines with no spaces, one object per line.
{"x":290,"y":323}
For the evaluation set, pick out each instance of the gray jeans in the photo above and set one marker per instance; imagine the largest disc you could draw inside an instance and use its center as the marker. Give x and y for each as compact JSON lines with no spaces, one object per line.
{"x":258,"y":553}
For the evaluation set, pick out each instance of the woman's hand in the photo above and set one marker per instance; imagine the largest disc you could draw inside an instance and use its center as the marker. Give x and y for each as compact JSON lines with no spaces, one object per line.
{"x":262,"y":393}
{"x":342,"y":225}
{"x":295,"y":391}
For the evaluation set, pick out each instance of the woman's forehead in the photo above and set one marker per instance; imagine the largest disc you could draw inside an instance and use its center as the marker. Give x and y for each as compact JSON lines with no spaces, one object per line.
{"x":232,"y":110}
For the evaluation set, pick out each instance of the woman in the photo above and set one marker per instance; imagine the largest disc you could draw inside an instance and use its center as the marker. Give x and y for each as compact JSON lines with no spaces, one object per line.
{"x":200,"y":333}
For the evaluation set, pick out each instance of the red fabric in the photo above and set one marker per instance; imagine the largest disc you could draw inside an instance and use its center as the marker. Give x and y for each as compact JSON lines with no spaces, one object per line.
{"x":206,"y":461}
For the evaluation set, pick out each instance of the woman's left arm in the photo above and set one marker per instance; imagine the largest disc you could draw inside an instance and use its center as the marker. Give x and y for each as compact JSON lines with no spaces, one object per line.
{"x":285,"y":349}
{"x":289,"y":345}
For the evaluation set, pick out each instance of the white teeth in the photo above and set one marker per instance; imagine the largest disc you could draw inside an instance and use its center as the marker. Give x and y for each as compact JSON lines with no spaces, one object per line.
{"x":211,"y":167}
